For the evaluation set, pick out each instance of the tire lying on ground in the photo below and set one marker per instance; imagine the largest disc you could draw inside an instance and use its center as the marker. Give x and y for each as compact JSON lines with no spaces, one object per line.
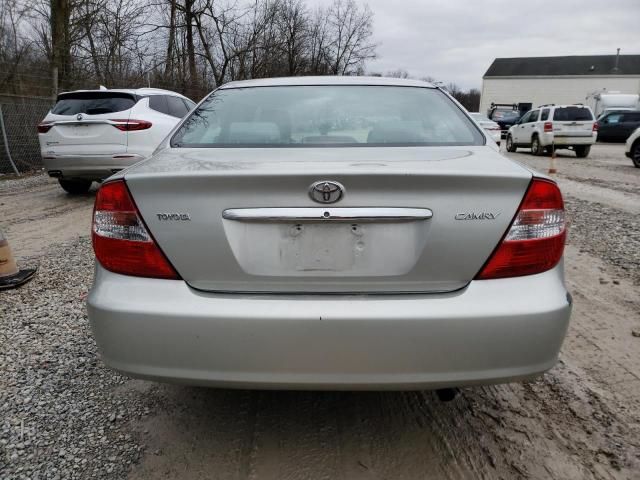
{"x":75,"y":186}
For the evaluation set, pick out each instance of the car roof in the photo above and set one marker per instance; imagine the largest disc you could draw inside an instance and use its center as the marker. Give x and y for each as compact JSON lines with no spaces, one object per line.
{"x":327,"y":80}
{"x":133,"y":91}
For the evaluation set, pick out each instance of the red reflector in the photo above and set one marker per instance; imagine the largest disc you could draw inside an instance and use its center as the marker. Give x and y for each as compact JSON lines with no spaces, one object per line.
{"x":535,"y":240}
{"x":131,"y":125}
{"x":44,"y":127}
{"x":121,"y":240}
{"x":548,"y":127}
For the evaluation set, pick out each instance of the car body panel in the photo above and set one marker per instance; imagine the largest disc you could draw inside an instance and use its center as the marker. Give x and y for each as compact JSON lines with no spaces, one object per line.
{"x":490,"y":332}
{"x":211,"y":253}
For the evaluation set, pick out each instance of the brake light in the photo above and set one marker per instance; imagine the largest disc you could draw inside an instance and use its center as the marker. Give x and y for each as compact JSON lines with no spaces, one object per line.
{"x":535,"y":240}
{"x":44,"y":127}
{"x":121,"y":241}
{"x":595,"y":127}
{"x":548,"y":127}
{"x":131,"y":125}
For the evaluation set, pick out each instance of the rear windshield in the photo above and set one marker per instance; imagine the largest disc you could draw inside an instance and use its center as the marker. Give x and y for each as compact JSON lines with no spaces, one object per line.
{"x":93,"y":103}
{"x":331,"y":115}
{"x":572,"y":114}
{"x":506,"y":115}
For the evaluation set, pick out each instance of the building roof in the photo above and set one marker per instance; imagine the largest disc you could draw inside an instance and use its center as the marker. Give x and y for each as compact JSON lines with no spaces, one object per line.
{"x":573,"y":65}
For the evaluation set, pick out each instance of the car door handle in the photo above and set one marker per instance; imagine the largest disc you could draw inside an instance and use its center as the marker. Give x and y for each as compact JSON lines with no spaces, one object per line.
{"x":331,"y":214}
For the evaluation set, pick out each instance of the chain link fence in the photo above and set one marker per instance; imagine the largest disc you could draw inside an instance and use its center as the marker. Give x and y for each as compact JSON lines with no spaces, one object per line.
{"x":19,"y":146}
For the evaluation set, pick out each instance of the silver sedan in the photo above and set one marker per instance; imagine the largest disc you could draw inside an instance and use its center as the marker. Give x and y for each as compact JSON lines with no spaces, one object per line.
{"x":489,"y":126}
{"x":329,"y":233}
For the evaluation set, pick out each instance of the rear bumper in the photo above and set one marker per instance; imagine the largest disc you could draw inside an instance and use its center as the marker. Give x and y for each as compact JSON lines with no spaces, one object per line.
{"x":548,"y":139}
{"x":492,"y":331}
{"x":93,"y":167}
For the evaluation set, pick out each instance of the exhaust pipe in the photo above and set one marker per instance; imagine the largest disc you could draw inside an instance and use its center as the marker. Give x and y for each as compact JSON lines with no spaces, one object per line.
{"x":55,"y":173}
{"x":447,"y":394}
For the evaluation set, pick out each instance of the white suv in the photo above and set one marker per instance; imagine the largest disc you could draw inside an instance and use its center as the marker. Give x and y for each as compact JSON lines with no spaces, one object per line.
{"x":90,"y":134}
{"x":554,"y":126}
{"x":632,"y":147}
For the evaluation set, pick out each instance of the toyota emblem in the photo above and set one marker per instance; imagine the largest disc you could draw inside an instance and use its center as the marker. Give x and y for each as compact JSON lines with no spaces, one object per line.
{"x":79,"y":117}
{"x":326,"y":191}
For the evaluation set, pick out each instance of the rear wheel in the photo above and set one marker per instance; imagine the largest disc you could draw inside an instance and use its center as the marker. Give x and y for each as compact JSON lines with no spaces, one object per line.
{"x":510,"y":145}
{"x":75,"y":186}
{"x":635,"y":154}
{"x":582,"y":150}
{"x":536,"y":148}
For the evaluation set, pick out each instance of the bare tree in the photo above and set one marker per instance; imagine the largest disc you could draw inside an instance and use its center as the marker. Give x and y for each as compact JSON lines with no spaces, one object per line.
{"x":351,"y":28}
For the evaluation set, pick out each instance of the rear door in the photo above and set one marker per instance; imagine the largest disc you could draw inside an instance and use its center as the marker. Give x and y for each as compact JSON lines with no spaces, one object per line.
{"x":83,"y":123}
{"x":574,"y":121}
{"x":630,"y":121}
{"x":609,"y":126}
{"x":521,"y":129}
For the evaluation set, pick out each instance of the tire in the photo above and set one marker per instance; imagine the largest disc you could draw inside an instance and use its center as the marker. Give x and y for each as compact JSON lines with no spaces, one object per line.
{"x":536,"y":148}
{"x":510,"y":145}
{"x":75,"y":186}
{"x":582,"y":150}
{"x":635,"y":154}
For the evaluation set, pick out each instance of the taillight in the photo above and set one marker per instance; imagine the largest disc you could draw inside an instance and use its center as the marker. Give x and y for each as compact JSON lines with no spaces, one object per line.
{"x":595,"y":127}
{"x":44,"y":127}
{"x":535,"y":240}
{"x":548,"y":127}
{"x":130,"y":125}
{"x":121,"y":241}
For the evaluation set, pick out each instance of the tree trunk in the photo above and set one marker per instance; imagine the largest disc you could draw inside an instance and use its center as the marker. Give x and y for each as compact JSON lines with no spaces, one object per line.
{"x":191,"y":52}
{"x":60,"y":40}
{"x":168,"y":66}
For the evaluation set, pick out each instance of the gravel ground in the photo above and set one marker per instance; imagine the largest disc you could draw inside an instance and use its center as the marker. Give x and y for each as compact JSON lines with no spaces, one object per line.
{"x":606,"y":233}
{"x":60,"y":417}
{"x":64,"y":415}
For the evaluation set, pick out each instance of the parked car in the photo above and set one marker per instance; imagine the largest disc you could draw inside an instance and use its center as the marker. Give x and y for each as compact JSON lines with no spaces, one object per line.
{"x":616,"y":126}
{"x":505,"y":117}
{"x":90,"y":134}
{"x":632,"y":147}
{"x":331,"y":233}
{"x":491,"y":127}
{"x":555,"y":126}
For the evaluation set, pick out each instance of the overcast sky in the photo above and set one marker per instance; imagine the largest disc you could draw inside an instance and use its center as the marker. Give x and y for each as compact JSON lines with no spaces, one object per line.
{"x":456,"y":40}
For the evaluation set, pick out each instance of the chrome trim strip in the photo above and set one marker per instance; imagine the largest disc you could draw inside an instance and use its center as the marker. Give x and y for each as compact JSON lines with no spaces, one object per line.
{"x":335,"y":214}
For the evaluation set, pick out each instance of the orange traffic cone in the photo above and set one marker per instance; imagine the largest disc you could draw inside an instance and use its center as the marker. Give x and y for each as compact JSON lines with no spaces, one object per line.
{"x":552,"y":162}
{"x":10,"y":275}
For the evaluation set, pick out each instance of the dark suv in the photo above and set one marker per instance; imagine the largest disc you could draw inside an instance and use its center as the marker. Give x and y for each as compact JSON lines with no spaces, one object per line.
{"x":505,"y":117}
{"x":616,"y":126}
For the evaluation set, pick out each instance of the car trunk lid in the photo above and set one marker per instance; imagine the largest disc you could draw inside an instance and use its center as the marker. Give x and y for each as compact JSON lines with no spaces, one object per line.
{"x":419,"y":219}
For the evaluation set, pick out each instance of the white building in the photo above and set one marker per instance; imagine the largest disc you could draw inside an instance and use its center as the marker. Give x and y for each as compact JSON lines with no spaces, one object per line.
{"x":559,"y":80}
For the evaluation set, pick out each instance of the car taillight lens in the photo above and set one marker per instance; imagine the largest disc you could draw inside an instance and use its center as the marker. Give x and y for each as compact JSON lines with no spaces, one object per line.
{"x":44,"y":127}
{"x":535,"y":240}
{"x":595,"y":126}
{"x":548,"y":127}
{"x":131,"y":125}
{"x":121,"y":241}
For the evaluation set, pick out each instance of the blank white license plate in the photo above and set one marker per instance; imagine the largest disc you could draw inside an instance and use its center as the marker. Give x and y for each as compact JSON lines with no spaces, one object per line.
{"x":313,"y":247}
